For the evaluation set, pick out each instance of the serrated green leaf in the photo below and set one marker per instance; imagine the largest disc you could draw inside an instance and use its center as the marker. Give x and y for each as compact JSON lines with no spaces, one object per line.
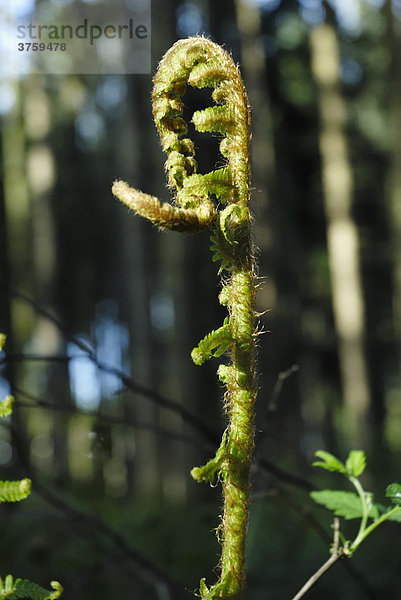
{"x":14,"y":491}
{"x":344,"y":504}
{"x":331,"y":463}
{"x":23,"y":588}
{"x":219,"y":183}
{"x":219,"y":119}
{"x":355,"y":463}
{"x":393,"y":491}
{"x":207,"y":74}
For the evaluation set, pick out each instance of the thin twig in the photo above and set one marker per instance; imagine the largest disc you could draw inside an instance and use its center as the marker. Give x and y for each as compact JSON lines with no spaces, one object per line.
{"x":112,"y":419}
{"x":284,"y":476}
{"x":336,"y":554}
{"x":126,"y":380}
{"x":307,"y":513}
{"x":281,"y":378}
{"x":164,"y":586}
{"x":210,"y":439}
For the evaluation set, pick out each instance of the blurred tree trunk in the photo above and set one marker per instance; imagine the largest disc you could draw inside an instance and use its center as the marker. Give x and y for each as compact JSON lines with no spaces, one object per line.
{"x":138,"y":145}
{"x":176,"y":262}
{"x":394,"y":174}
{"x":46,"y":337}
{"x":136,"y":280}
{"x":15,"y":260}
{"x":224,"y":26}
{"x":264,"y":204}
{"x":342,"y":234}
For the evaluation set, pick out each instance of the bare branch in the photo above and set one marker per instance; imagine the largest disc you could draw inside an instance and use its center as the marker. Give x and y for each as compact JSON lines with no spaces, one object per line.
{"x":112,"y":419}
{"x":165,"y":587}
{"x":337,"y":553}
{"x":127,"y":382}
{"x":281,"y":378}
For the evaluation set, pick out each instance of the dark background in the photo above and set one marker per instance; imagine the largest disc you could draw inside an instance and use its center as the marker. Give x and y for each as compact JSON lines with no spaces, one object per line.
{"x":101,"y":311}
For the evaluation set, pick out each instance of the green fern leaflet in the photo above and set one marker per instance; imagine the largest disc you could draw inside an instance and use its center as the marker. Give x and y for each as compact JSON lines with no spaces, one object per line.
{"x":23,"y":588}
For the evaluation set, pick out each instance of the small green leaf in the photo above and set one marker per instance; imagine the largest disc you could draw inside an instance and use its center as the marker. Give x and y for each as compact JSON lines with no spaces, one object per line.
{"x":219,"y":119}
{"x":214,"y":343}
{"x":208,"y":471}
{"x":344,"y":504}
{"x":356,"y":463}
{"x":23,"y":588}
{"x":6,"y":406}
{"x":14,"y":491}
{"x":331,"y":463}
{"x":204,"y":590}
{"x":393,"y":491}
{"x":2,"y":341}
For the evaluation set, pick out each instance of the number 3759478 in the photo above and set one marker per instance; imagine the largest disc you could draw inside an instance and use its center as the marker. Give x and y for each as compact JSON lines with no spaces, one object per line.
{"x":41,"y":46}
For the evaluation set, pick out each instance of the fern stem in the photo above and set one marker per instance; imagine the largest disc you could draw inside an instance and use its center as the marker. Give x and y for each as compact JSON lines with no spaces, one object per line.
{"x":240,"y":400}
{"x":201,"y":63}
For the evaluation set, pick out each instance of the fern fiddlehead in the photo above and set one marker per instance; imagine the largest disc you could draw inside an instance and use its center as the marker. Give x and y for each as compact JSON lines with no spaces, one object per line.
{"x":201,"y":63}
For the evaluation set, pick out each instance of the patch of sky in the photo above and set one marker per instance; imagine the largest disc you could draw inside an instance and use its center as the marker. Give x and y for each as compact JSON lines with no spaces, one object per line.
{"x":4,"y":385}
{"x":162,"y":311}
{"x":348,"y":15}
{"x":8,"y":96}
{"x":89,"y":127}
{"x":112,"y":342}
{"x":10,"y":58}
{"x":189,"y":19}
{"x":21,"y":8}
{"x":4,"y":388}
{"x":89,"y":383}
{"x":351,"y":72}
{"x":84,"y":380}
{"x":111,"y":91}
{"x":312,"y":11}
{"x":267,"y":5}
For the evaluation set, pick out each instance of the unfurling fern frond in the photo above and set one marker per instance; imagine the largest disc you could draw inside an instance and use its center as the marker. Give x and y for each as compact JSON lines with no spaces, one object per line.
{"x":23,"y":588}
{"x":14,"y":491}
{"x":198,"y":205}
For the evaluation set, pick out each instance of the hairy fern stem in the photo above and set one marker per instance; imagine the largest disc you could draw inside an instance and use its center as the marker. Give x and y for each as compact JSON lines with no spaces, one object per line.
{"x":199,"y":62}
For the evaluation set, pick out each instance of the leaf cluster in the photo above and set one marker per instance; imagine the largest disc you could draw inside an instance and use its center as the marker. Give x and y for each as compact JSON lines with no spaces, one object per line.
{"x":359,"y":505}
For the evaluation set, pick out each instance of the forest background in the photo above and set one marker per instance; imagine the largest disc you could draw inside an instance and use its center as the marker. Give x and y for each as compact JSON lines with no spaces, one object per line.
{"x":101,"y":310}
